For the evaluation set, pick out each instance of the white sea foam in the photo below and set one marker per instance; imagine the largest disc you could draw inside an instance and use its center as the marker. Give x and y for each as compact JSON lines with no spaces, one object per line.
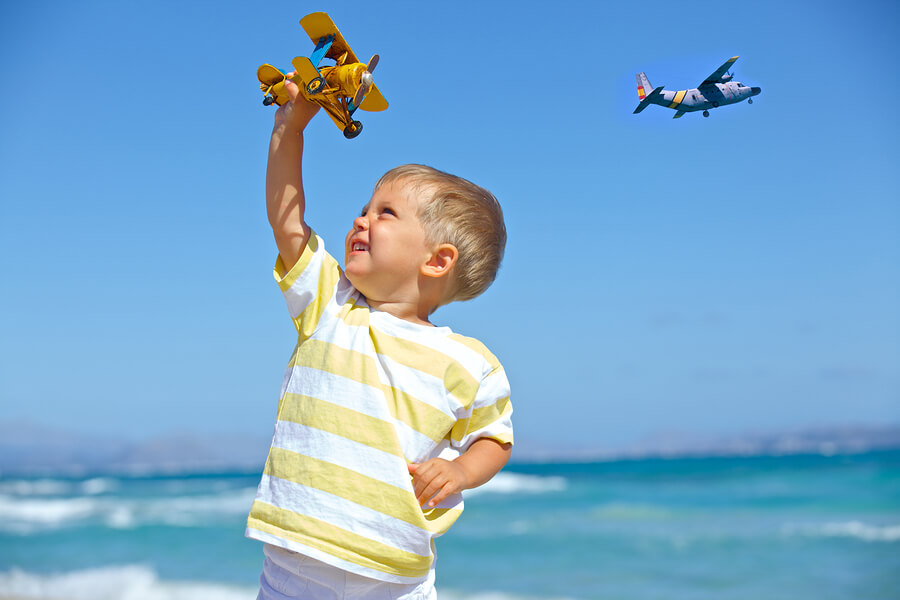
{"x":516,"y":483}
{"x":128,"y":582}
{"x":35,"y":487}
{"x":452,"y":595}
{"x":99,"y":485}
{"x":139,"y":582}
{"x":26,"y":515}
{"x":848,"y":529}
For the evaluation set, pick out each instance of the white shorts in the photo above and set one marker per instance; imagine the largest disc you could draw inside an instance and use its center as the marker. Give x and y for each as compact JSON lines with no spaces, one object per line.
{"x":288,"y":575}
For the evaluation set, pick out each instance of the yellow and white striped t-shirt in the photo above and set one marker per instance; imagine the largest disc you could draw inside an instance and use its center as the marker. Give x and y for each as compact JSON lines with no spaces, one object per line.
{"x":366,"y":393}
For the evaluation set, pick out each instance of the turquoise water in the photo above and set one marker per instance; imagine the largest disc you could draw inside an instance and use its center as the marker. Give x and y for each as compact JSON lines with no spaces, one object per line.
{"x":768,"y":527}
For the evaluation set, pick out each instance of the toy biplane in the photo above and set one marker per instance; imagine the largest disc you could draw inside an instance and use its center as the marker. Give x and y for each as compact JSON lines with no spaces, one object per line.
{"x":340,"y":89}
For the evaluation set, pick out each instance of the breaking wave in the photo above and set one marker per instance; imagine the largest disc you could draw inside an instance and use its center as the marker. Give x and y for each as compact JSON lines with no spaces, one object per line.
{"x":516,"y":483}
{"x":849,"y":529}
{"x":135,"y":582}
{"x":26,"y":515}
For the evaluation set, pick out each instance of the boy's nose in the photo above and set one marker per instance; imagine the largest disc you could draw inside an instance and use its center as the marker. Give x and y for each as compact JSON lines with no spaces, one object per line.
{"x":360,"y":223}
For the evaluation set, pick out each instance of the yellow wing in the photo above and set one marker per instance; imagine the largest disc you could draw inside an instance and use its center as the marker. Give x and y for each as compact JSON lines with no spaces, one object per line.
{"x":318,"y":25}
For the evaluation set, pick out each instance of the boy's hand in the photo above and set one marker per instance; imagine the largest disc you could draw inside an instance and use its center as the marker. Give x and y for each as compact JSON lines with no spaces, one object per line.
{"x":296,"y":113}
{"x":436,"y":479}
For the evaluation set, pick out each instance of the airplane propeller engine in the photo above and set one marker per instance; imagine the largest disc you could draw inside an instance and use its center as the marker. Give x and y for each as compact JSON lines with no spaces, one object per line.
{"x":365,"y":82}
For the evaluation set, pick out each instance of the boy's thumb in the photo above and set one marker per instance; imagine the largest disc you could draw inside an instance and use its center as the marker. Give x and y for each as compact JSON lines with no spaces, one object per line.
{"x":412,"y":467}
{"x":291,"y":88}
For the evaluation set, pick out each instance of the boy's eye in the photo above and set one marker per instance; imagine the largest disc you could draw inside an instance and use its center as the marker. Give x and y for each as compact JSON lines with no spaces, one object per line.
{"x":389,"y":211}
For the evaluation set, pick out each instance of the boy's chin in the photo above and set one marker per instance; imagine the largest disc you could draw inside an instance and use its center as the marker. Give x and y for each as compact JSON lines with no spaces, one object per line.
{"x":357,"y":281}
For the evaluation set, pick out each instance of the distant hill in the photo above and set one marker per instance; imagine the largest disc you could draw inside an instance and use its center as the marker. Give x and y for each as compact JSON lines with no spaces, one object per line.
{"x":825,"y":440}
{"x":30,"y":449}
{"x":27,"y":448}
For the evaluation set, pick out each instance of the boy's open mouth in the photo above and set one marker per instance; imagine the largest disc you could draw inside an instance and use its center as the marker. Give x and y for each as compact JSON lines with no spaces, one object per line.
{"x":359,"y":247}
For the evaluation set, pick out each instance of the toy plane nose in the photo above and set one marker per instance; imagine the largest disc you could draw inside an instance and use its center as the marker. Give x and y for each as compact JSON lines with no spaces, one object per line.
{"x":755,"y":90}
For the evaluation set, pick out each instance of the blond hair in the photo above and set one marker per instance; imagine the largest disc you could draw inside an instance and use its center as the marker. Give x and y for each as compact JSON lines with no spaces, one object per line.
{"x":455,"y":211}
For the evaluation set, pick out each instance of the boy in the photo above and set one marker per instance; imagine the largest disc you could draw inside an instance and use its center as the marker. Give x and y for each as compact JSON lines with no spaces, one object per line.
{"x":383,"y":418}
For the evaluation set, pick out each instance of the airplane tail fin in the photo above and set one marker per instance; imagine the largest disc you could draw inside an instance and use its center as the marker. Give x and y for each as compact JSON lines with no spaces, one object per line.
{"x":643,"y":85}
{"x":651,"y":98}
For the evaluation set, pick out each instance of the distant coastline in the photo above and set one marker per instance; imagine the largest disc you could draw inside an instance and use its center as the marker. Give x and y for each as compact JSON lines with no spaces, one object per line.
{"x":27,"y":449}
{"x":823,"y":440}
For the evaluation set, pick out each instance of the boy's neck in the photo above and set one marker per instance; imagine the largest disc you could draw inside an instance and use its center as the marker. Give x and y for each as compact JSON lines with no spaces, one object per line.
{"x":406,"y":311}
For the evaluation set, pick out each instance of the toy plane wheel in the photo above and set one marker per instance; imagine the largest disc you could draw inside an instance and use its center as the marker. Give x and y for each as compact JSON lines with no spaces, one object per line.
{"x":352,"y":130}
{"x":315,"y":86}
{"x":749,"y":100}
{"x":705,"y":113}
{"x":268,"y":100}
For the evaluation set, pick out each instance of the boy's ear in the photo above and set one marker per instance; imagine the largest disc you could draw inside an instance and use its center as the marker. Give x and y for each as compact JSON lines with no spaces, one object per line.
{"x":441,"y":261}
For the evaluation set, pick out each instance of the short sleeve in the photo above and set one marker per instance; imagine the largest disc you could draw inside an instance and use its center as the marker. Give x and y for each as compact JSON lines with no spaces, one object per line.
{"x":309,"y":285}
{"x":489,"y":416}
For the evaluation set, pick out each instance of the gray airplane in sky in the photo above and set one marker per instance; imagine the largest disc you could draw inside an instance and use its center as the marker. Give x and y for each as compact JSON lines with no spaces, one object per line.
{"x":716,"y":90}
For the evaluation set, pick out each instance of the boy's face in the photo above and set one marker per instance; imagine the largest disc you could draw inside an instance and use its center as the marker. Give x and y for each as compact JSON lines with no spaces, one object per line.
{"x":386,"y":249}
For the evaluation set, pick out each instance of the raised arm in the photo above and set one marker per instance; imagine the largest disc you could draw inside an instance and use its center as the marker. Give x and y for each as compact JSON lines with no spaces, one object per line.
{"x":285,"y":202}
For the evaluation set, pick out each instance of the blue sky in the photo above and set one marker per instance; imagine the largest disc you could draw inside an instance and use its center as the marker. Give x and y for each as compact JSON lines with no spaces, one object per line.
{"x":710,"y":276}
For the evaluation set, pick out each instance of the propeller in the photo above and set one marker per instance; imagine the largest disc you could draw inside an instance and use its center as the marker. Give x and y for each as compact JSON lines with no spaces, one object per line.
{"x":365,"y":82}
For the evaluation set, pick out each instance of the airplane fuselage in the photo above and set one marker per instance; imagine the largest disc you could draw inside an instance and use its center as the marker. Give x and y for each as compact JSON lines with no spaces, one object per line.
{"x":706,"y":97}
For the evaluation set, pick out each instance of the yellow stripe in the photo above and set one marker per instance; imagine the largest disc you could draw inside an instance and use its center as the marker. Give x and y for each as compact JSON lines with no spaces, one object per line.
{"x":286,"y":280}
{"x":363,"y":490}
{"x":679,"y":96}
{"x":336,"y":541}
{"x":457,"y":380}
{"x":308,"y":319}
{"x":476,"y":346}
{"x":419,"y":415}
{"x":345,"y":422}
{"x":357,"y":366}
{"x":481,"y":418}
{"x":354,"y":315}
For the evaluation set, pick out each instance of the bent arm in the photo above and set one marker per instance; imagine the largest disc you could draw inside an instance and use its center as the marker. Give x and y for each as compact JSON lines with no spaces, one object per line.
{"x":435,"y":479}
{"x":484,"y":459}
{"x":285,"y":202}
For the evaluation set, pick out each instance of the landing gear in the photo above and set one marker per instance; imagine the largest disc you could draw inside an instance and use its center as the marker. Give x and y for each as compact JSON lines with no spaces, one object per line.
{"x":749,"y":100}
{"x":352,"y":130}
{"x":705,"y":113}
{"x":315,"y":86}
{"x":715,"y":105}
{"x":269,"y":100}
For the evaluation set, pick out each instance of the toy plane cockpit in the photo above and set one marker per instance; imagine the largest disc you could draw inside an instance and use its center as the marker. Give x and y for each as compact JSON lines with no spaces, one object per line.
{"x":340,"y":89}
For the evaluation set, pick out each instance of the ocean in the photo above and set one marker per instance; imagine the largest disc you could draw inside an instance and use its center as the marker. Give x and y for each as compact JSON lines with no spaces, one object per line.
{"x":806,"y":526}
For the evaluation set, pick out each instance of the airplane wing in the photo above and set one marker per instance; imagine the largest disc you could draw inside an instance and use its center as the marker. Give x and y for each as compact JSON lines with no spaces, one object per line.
{"x":717,"y":74}
{"x":374,"y":101}
{"x":318,"y":25}
{"x":678,"y":114}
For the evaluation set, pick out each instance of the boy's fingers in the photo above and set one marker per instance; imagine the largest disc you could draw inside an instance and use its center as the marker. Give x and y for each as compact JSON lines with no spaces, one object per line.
{"x":445,"y":491}
{"x":291,"y":88}
{"x":433,"y":487}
